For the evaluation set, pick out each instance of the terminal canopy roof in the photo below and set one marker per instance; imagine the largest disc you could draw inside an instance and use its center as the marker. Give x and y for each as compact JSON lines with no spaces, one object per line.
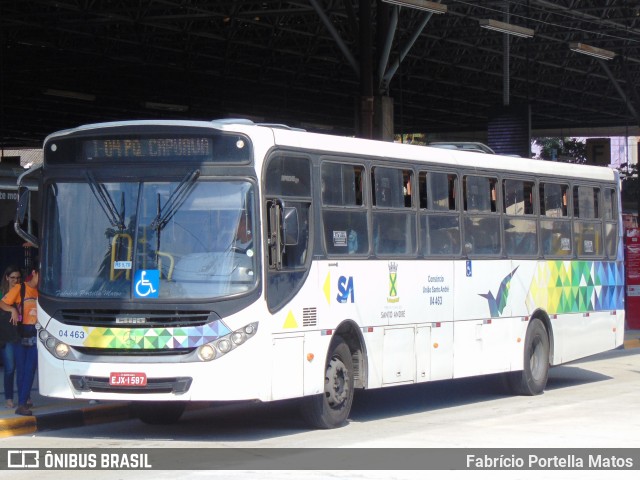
{"x":308,"y":63}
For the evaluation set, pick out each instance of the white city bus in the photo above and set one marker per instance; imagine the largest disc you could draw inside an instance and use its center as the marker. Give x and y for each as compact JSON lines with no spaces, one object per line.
{"x":200,"y":261}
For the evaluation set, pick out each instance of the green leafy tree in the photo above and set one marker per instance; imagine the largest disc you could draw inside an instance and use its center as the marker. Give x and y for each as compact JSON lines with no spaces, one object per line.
{"x":562,"y":149}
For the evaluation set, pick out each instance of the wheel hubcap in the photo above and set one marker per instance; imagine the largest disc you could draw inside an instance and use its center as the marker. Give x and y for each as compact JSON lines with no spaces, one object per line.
{"x":336,"y":383}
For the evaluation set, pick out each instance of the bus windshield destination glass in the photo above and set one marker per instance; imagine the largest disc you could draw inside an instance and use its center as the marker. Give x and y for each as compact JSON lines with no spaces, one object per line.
{"x":222,"y":261}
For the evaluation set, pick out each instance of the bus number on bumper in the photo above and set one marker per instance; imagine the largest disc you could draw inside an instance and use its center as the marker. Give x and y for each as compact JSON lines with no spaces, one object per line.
{"x":127,"y":379}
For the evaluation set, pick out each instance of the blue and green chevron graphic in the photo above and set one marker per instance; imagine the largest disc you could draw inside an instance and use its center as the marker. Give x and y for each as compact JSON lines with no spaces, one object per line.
{"x":154,"y":338}
{"x":577,"y":286}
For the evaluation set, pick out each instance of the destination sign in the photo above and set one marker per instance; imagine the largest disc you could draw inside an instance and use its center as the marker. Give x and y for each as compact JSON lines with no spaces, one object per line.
{"x":141,"y":148}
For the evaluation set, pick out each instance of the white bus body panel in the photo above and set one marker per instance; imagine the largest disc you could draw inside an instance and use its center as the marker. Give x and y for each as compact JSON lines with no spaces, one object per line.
{"x":419,"y":319}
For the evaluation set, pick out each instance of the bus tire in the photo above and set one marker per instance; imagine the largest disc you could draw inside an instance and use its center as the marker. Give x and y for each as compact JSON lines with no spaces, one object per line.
{"x":331,"y":409}
{"x":159,"y":413}
{"x":532,"y":380}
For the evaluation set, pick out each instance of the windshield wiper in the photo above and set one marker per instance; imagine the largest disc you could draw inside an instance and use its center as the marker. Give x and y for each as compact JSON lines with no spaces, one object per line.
{"x":115,"y":217}
{"x":175,"y":201}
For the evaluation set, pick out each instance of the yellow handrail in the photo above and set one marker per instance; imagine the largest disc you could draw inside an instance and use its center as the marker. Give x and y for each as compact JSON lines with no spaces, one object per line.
{"x":115,"y":239}
{"x":171,"y":263}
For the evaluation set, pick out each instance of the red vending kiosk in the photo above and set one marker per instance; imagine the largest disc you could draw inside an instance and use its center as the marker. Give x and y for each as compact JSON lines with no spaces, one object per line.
{"x":632,"y":280}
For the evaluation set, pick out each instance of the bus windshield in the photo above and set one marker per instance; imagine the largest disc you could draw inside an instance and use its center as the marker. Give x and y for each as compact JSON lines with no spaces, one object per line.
{"x":166,"y":239}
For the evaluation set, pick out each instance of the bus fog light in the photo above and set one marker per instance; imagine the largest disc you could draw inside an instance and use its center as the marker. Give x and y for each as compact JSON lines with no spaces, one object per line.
{"x":207,"y":352}
{"x":62,"y":350}
{"x":50,"y":343}
{"x":224,"y":345}
{"x":237,"y":337}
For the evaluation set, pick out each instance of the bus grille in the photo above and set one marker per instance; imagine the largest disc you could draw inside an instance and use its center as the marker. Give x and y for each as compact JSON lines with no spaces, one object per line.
{"x":140,"y":352}
{"x":176,"y":385}
{"x":113,"y":318}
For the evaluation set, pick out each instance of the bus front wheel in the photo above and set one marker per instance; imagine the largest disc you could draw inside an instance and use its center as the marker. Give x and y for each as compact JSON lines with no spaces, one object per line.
{"x":159,"y":413}
{"x":532,"y":380}
{"x":331,"y":409}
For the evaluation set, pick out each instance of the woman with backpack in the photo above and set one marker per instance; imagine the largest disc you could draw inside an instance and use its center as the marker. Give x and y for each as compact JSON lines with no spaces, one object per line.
{"x":21,"y":301}
{"x":8,"y":334}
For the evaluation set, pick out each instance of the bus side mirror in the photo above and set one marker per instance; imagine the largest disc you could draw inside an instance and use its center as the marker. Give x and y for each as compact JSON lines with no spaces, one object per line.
{"x":22,"y":214}
{"x":290,"y":226}
{"x":23,"y":204}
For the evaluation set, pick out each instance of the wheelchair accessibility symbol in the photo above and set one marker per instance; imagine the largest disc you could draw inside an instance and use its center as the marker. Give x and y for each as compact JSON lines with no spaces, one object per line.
{"x":147,"y":283}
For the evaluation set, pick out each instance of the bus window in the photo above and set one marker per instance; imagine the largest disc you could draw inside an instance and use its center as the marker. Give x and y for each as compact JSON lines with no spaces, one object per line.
{"x":288,"y":251}
{"x":609,"y":211}
{"x":288,"y":176}
{"x":482,"y":235}
{"x":479,"y":194}
{"x":610,"y":214}
{"x":587,"y":226}
{"x":556,"y":238}
{"x":441,"y":234}
{"x":518,"y":197}
{"x":555,"y":226}
{"x":481,"y":225}
{"x":345,"y":232}
{"x":553,"y":200}
{"x":438,"y":191}
{"x":389,"y":187}
{"x":585,"y":202}
{"x":395,"y":233}
{"x":345,"y":223}
{"x":520,"y":237}
{"x":440,"y":224}
{"x":520,"y":233}
{"x":342,"y":184}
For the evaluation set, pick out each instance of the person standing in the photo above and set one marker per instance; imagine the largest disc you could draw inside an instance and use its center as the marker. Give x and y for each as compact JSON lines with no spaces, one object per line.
{"x":8,"y":334}
{"x":22,"y":302}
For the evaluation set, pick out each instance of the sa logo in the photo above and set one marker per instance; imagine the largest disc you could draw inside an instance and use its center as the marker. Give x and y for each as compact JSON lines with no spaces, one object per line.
{"x":345,"y":290}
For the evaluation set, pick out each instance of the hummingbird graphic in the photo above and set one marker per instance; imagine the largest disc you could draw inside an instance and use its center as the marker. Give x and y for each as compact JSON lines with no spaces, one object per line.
{"x":499,"y":301}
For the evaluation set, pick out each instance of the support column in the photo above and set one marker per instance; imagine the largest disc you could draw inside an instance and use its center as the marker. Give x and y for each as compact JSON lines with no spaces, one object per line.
{"x":383,"y":127}
{"x":366,"y":111}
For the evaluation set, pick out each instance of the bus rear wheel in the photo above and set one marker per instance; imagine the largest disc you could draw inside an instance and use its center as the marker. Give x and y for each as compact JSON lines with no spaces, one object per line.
{"x":331,"y":409}
{"x":159,"y":413}
{"x":532,"y":380}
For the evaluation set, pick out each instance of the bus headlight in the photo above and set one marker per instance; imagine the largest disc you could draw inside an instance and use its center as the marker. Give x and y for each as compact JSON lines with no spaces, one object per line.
{"x":49,"y":342}
{"x":237,"y":337}
{"x":224,"y":345}
{"x":62,"y":350}
{"x":207,"y":353}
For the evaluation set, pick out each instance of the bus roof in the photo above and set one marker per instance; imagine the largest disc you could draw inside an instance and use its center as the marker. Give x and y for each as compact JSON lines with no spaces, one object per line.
{"x":349,"y":146}
{"x":467,"y":159}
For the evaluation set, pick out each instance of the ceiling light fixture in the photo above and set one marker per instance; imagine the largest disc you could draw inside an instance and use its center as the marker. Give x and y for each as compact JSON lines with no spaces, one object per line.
{"x":87,"y":97}
{"x":169,"y":107}
{"x":423,"y":5}
{"x":508,"y":28}
{"x":592,"y":51}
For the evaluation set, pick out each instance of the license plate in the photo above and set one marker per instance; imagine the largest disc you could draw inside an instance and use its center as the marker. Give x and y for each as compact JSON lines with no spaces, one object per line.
{"x":127,"y":379}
